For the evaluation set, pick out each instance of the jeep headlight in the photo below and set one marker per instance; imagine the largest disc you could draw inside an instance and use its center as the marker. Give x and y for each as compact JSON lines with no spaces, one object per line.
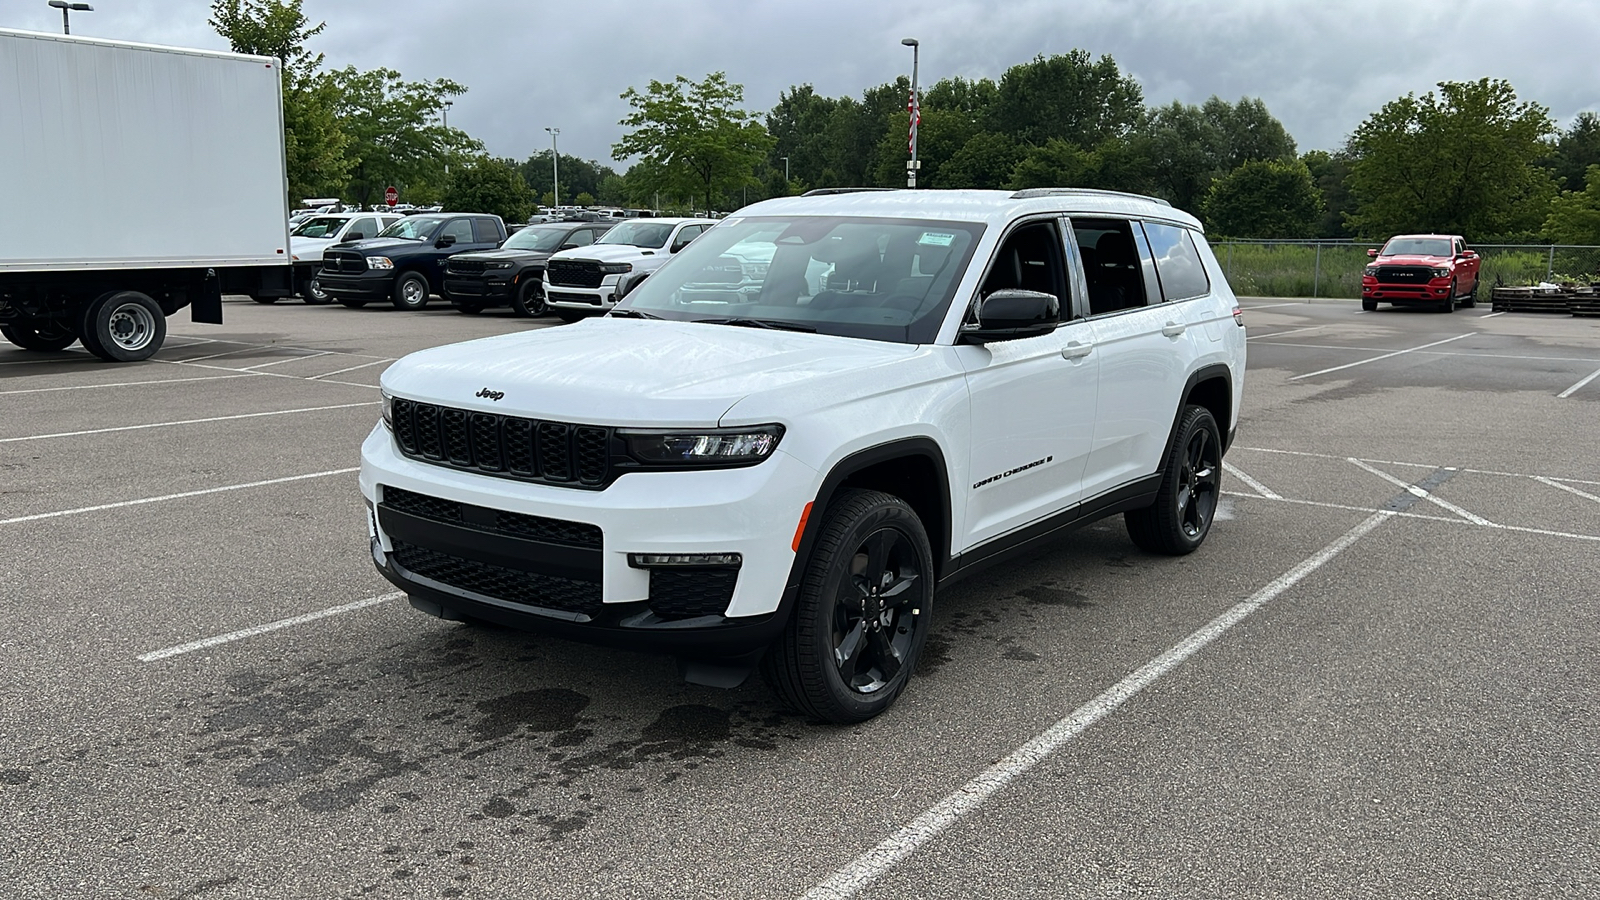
{"x":388,"y":410}
{"x":379,"y":262}
{"x":497,"y":265}
{"x":615,"y":268}
{"x":1441,"y":273}
{"x":703,"y":447}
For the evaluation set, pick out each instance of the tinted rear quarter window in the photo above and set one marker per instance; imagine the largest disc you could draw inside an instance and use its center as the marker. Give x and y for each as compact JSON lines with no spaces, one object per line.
{"x":487,"y":232}
{"x":1183,"y":275}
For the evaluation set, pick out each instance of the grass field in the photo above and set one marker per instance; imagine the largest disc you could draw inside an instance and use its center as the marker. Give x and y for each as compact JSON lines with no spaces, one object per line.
{"x":1302,"y":270}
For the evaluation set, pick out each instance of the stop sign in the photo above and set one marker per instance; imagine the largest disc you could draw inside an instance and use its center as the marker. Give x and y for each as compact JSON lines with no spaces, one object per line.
{"x":390,"y":195}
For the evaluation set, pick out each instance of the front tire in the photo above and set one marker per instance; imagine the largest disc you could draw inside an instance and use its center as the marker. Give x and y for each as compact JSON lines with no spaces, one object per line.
{"x":1449,"y":304}
{"x":1191,"y":483}
{"x":1369,"y":305}
{"x":470,"y":309}
{"x":314,"y":295}
{"x":529,"y":301}
{"x":124,"y":326}
{"x":862,"y":615}
{"x":411,"y":291}
{"x":352,"y":304}
{"x":569,"y":316}
{"x":46,"y":337}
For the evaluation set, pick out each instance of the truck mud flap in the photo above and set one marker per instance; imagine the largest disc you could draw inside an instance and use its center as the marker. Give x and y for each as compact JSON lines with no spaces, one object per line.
{"x":206,"y":304}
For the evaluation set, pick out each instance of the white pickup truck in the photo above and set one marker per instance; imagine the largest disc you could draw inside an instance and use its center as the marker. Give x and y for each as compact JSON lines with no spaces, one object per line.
{"x":583,"y":281}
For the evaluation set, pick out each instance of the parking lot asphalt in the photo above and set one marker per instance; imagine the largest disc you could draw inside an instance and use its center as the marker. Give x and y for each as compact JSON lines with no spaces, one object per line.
{"x":1377,"y":678}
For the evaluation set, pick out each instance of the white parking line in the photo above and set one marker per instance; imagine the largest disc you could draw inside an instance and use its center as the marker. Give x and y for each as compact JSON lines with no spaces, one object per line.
{"x":245,"y":349}
{"x":255,"y":415}
{"x":872,"y":865}
{"x":1422,"y":493}
{"x":85,"y":387}
{"x":1258,"y":487}
{"x":1571,"y":490}
{"x":1492,"y":315}
{"x":143,"y":500}
{"x":1414,"y":465}
{"x":1273,"y":305}
{"x":1574,"y":389}
{"x":376,"y":362}
{"x":279,"y":362}
{"x":1285,"y":333}
{"x":192,"y":646}
{"x":1450,"y":520}
{"x":1385,"y":356}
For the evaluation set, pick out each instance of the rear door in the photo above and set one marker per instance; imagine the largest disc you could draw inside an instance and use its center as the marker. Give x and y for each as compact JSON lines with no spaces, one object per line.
{"x":1144,"y":347}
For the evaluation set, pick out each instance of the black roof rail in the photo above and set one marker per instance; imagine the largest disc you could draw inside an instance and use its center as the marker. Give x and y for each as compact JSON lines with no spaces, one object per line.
{"x":1031,"y":193}
{"x":824,"y":192}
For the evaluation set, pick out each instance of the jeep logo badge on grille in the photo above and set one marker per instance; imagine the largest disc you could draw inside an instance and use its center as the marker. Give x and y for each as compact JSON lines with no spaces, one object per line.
{"x":492,"y":395}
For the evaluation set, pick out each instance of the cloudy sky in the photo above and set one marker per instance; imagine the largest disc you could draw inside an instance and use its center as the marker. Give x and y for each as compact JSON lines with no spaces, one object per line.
{"x":1321,"y":67}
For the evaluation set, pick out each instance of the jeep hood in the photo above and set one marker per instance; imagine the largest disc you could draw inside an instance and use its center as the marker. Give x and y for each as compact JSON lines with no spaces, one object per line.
{"x":637,"y":373}
{"x":513,"y":254}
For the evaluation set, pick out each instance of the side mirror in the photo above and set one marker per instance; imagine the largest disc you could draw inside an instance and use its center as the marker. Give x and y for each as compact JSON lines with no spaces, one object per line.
{"x":1010,"y":314}
{"x":355,"y":236}
{"x":569,"y":246}
{"x":1468,"y":254}
{"x":445,"y":240}
{"x":1372,"y":252}
{"x":629,"y":282}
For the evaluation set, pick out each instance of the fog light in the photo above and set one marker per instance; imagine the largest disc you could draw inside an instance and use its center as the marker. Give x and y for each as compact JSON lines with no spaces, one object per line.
{"x":665,"y":560}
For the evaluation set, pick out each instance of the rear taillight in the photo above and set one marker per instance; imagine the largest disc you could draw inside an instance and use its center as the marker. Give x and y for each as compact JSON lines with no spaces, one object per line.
{"x":1238,"y":317}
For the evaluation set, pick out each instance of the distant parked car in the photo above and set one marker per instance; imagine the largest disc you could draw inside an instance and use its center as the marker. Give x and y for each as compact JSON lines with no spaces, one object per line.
{"x":584,"y":281}
{"x":317,"y":233}
{"x":513,"y":274}
{"x":1429,"y":269}
{"x":405,"y":263}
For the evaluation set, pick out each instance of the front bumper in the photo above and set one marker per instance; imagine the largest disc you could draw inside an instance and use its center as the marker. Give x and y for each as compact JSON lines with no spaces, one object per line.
{"x":497,"y":288}
{"x":1432,"y":292}
{"x":374,"y":284}
{"x":594,"y":594}
{"x":592,"y":299}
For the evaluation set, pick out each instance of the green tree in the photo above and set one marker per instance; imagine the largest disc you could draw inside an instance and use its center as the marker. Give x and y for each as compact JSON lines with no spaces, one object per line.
{"x":1575,"y":215}
{"x":1456,"y":162}
{"x":984,"y":161}
{"x":1264,"y":198}
{"x":578,"y":176}
{"x":693,"y":137}
{"x":489,"y":185}
{"x":1248,"y":132}
{"x":801,"y":132}
{"x":1068,"y":97}
{"x":1112,"y":166}
{"x":1330,"y":171}
{"x":1189,"y":146}
{"x":1577,"y":148}
{"x":315,"y":143}
{"x":393,"y":131}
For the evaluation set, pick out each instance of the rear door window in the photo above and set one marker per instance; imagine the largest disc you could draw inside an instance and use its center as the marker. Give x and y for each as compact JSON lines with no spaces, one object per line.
{"x":1112,"y":274}
{"x":486,"y":231}
{"x":1182,"y":274}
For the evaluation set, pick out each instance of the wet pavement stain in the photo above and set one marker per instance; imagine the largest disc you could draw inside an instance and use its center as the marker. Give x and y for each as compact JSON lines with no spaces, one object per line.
{"x":1019,"y":653}
{"x":935,"y":653}
{"x":1048,"y":595}
{"x":14,"y":776}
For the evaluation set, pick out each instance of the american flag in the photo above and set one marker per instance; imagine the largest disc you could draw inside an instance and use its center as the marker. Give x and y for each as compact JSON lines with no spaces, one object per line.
{"x":915,"y":109}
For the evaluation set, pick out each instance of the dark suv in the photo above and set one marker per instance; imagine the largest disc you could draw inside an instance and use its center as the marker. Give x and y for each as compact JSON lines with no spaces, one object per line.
{"x":512,"y":275}
{"x":405,"y":262}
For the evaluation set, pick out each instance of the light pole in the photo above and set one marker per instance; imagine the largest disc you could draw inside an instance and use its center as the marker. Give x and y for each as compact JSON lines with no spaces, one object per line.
{"x":63,"y":5}
{"x":555,"y":165}
{"x":446,"y":114}
{"x":915,"y":109}
{"x":785,"y":172}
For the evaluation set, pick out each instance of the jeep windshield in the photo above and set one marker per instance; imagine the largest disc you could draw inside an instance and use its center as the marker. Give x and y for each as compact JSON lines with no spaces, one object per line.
{"x":537,"y":237}
{"x":882,"y":279}
{"x":1416,"y":247}
{"x":412,"y":228}
{"x":649,"y":235}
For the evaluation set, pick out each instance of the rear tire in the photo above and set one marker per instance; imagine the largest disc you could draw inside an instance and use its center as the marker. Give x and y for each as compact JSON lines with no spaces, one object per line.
{"x":863,"y":613}
{"x":1471,"y":300}
{"x":529,"y":301}
{"x":352,"y":304}
{"x":569,"y":316}
{"x":124,"y":326}
{"x":1191,"y":483}
{"x":410,"y":291}
{"x":45,"y":337}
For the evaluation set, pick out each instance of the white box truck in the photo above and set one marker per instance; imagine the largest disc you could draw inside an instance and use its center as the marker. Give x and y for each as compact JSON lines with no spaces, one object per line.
{"x":134,"y":181}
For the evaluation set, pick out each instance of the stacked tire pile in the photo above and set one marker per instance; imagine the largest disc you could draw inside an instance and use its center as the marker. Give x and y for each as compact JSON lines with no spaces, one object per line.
{"x":1577,"y":300}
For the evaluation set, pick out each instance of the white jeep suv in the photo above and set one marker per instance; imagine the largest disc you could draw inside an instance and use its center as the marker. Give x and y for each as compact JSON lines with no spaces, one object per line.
{"x":778,"y":445}
{"x":584,"y":281}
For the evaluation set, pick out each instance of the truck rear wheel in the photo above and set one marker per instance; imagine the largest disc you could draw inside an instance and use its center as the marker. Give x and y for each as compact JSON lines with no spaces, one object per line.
{"x":124,"y":326}
{"x":46,"y":336}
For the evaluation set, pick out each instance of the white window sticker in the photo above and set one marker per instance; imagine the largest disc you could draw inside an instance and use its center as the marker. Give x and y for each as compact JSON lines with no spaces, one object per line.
{"x":936,"y":239}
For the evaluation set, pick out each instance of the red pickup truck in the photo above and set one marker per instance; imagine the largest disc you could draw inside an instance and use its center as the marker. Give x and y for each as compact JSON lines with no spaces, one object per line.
{"x":1436,"y":270}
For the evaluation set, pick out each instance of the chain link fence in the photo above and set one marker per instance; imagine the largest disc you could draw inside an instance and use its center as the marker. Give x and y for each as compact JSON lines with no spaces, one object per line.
{"x":1333,"y":268}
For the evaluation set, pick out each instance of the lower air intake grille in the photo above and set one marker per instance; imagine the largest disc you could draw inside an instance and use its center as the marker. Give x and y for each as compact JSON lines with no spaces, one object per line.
{"x":525,"y":588}
{"x":688,"y":593}
{"x":538,"y":528}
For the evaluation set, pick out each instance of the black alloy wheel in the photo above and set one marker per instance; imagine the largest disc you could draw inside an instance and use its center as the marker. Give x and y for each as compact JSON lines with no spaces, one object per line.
{"x":863,"y":613}
{"x":1449,"y":304}
{"x":47,"y":336}
{"x":1191,"y":484}
{"x":529,"y":300}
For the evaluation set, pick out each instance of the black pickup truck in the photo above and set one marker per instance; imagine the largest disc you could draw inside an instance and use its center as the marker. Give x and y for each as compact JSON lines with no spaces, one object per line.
{"x":513,"y":275}
{"x":405,"y":262}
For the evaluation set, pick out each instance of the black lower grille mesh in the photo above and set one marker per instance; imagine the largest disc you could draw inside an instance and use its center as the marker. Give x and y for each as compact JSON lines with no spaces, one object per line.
{"x":538,"y":528}
{"x":687,"y":593}
{"x":526,"y":588}
{"x":507,"y":446}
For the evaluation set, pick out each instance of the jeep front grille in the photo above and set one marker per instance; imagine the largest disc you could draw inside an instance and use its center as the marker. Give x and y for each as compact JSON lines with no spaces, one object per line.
{"x":465,"y":266}
{"x":505,"y":446}
{"x":580,"y":273}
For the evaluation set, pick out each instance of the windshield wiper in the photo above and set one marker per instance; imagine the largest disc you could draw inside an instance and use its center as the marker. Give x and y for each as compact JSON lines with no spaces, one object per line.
{"x":775,"y":324}
{"x":632,"y":314}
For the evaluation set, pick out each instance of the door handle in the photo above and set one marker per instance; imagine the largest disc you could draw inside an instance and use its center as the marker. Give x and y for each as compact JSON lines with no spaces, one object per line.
{"x":1173,"y":329}
{"x":1075,"y":350}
